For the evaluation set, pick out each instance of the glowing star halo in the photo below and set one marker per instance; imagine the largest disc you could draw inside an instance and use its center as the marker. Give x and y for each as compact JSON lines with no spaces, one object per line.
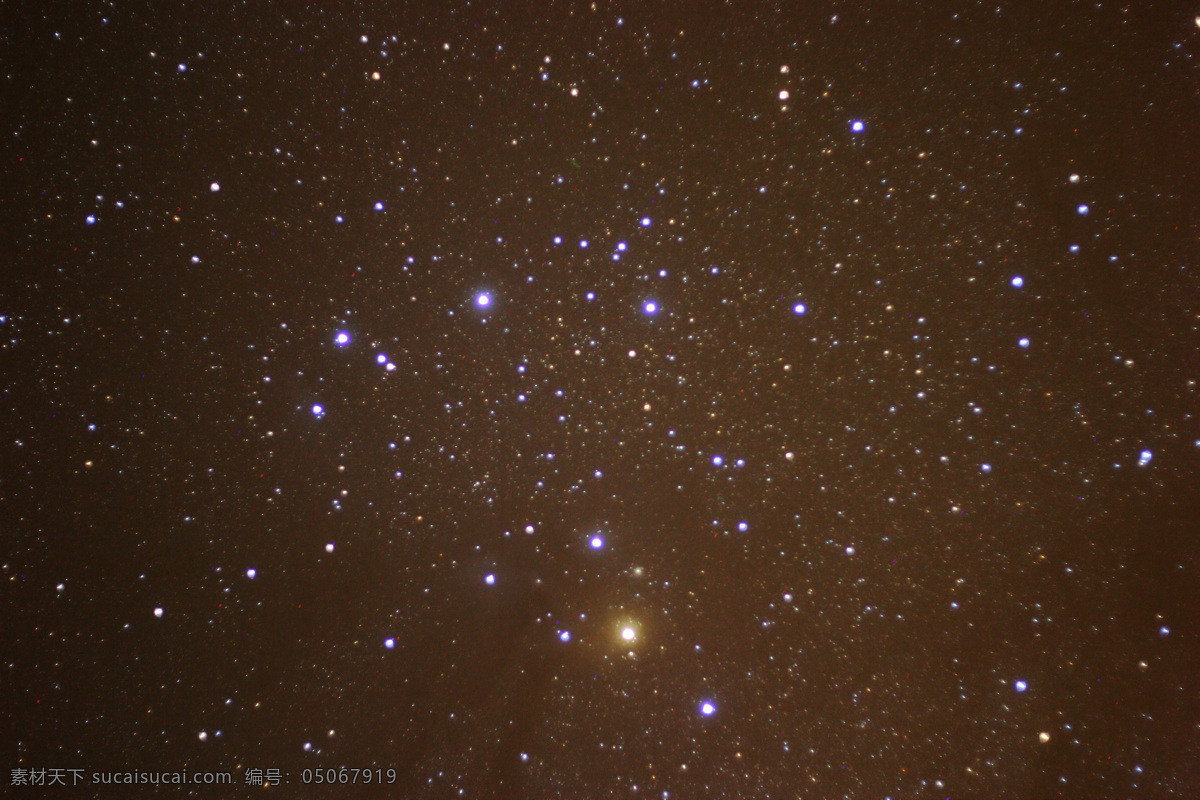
{"x":483,"y":300}
{"x":628,"y":634}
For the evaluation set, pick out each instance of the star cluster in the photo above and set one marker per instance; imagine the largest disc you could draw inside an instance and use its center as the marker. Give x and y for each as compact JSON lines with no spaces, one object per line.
{"x":606,"y":401}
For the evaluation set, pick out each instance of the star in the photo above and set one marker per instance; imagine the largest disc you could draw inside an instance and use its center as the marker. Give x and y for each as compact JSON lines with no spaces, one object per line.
{"x":799,"y":309}
{"x":483,"y":300}
{"x":708,"y":708}
{"x":650,"y":307}
{"x":858,"y":126}
{"x":628,"y":634}
{"x":596,"y":543}
{"x":342,"y":339}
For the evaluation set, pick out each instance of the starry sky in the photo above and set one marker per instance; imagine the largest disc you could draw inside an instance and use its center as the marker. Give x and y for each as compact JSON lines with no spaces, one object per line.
{"x":607,"y":400}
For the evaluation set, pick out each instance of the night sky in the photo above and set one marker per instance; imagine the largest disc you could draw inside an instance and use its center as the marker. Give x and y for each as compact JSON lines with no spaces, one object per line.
{"x":570,"y":400}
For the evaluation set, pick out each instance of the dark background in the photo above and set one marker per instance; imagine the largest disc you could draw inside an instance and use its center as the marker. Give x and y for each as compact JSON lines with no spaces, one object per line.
{"x":147,"y":461}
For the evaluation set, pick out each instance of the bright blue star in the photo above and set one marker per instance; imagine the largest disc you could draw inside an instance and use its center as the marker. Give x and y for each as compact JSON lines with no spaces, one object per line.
{"x":342,"y":339}
{"x":645,"y":222}
{"x":1023,"y":342}
{"x":379,"y":206}
{"x":91,"y":219}
{"x":597,"y":543}
{"x":857,"y":126}
{"x":799,"y":309}
{"x":1018,"y":281}
{"x":318,"y":410}
{"x":483,"y":300}
{"x":708,"y":708}
{"x":1144,"y":458}
{"x":1082,"y":209}
{"x":651,"y":307}
{"x":489,"y":579}
{"x":717,"y":461}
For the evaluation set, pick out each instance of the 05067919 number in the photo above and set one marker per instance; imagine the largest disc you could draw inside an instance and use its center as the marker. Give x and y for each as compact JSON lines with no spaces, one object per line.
{"x":338,"y":775}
